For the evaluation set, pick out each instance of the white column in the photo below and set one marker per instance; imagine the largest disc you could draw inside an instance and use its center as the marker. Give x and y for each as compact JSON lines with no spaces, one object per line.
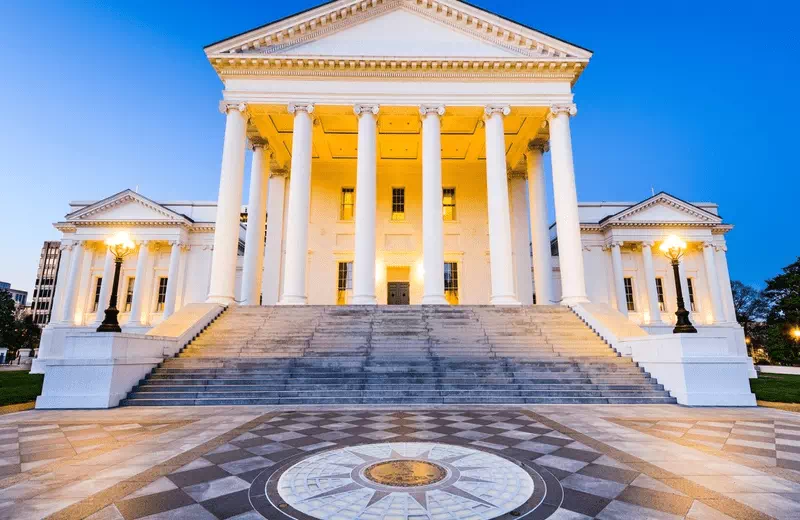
{"x":73,"y":282}
{"x":725,"y":283}
{"x":294,"y":284}
{"x":619,"y":275}
{"x":650,"y":283}
{"x":139,"y":285}
{"x":497,"y":206}
{"x":366,"y":194}
{"x":273,"y":247}
{"x":172,"y":278}
{"x":540,"y":231}
{"x":713,"y":282}
{"x":573,"y":284}
{"x":256,"y":220}
{"x":57,"y":309}
{"x":226,"y":236}
{"x":520,"y":235}
{"x":105,"y":287}
{"x":432,"y":226}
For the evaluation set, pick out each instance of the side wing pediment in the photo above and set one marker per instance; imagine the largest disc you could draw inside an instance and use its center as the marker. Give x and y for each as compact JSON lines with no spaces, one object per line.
{"x":665,"y":209}
{"x":127,"y":206}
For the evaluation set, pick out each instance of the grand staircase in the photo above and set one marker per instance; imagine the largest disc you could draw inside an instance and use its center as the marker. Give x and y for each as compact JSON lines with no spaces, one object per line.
{"x":294,"y":355}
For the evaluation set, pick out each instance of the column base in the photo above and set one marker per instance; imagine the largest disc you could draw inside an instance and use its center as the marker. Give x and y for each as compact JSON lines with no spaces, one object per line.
{"x":222,"y":300}
{"x":504,"y":300}
{"x":293,"y":300}
{"x":569,"y":301}
{"x":364,"y":300}
{"x":434,"y":299}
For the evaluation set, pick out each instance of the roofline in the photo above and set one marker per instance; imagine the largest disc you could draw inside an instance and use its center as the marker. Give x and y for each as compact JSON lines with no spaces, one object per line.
{"x":299,"y":13}
{"x":608,"y":217}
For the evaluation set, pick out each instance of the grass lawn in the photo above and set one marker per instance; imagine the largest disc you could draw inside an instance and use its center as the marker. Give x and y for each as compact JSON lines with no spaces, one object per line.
{"x":17,"y":386}
{"x":781,"y":388}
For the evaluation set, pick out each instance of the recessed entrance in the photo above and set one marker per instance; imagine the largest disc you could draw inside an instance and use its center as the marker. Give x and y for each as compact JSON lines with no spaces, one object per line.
{"x":398,"y":286}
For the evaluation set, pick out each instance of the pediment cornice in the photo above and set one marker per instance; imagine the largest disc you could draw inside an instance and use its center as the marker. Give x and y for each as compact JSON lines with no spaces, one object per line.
{"x":628,"y":216}
{"x":263,"y":51}
{"x":89,"y":214}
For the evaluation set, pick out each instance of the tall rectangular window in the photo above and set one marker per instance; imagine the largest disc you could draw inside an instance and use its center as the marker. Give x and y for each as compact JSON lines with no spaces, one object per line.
{"x":344,"y":283}
{"x":129,"y":294}
{"x":97,"y":288}
{"x":348,"y":202}
{"x":451,"y":282}
{"x":662,"y":306}
{"x":690,"y":286}
{"x":629,"y":294}
{"x":162,"y":293}
{"x":448,"y":204}
{"x":398,"y":203}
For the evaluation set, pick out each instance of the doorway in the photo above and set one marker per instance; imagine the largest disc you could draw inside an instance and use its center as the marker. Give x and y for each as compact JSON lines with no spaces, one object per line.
{"x":398,"y":287}
{"x":397,"y":293}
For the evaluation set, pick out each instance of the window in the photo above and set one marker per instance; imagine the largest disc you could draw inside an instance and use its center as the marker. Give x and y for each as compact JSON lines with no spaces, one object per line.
{"x":690,"y":287}
{"x":662,"y":306}
{"x":97,"y":287}
{"x":398,"y":203}
{"x":129,"y":294}
{"x":347,"y":208}
{"x":629,"y":294}
{"x":451,"y":282}
{"x":448,"y":204}
{"x":162,"y":294}
{"x":344,"y":282}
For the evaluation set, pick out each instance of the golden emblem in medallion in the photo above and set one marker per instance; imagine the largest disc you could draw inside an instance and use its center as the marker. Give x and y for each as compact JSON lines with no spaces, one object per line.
{"x":405,"y":473}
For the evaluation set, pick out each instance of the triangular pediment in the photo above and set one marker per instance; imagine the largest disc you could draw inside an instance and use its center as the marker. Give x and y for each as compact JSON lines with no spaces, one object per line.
{"x":388,"y":35}
{"x":398,"y":28}
{"x":663,"y":208}
{"x":126,"y":206}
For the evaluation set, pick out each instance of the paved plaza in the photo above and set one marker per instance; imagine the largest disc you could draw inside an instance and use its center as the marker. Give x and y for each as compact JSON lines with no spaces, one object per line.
{"x":559,"y":462}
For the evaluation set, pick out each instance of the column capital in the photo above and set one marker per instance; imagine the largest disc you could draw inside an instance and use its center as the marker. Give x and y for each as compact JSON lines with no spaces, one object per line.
{"x":279,"y":172}
{"x":516,"y":174}
{"x":490,"y":110}
{"x":708,"y":243}
{"x":616,"y":243}
{"x":428,"y":110}
{"x":648,"y":243}
{"x":570,"y":109}
{"x":360,"y":110}
{"x":301,"y":107}
{"x":539,"y":145}
{"x":226,"y":106}
{"x":721,"y":247}
{"x":258,"y":142}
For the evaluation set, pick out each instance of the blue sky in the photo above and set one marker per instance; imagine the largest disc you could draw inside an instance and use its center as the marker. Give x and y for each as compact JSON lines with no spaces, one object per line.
{"x":698,"y":98}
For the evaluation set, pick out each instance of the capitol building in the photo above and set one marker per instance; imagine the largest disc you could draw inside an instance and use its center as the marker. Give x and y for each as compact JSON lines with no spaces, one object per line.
{"x":394,"y":175}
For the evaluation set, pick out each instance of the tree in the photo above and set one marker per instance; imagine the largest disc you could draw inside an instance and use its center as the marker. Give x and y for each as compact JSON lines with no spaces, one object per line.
{"x":752,"y":307}
{"x":783,"y":296}
{"x":17,"y":329}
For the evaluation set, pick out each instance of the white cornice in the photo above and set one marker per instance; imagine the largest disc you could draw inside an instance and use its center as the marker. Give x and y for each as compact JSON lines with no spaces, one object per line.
{"x":258,"y":52}
{"x":125,"y":197}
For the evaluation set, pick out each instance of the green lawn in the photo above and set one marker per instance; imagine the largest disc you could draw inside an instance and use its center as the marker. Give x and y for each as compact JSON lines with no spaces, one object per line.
{"x":19,"y":387}
{"x":779,"y":388}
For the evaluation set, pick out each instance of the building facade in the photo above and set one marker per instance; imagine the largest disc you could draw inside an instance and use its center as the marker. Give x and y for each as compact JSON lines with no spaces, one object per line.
{"x":394,"y":171}
{"x":46,"y":279}
{"x":20,"y":297}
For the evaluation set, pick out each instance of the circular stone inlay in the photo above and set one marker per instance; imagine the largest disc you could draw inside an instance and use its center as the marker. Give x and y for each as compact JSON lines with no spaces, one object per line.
{"x":405,"y":473}
{"x":402,"y":480}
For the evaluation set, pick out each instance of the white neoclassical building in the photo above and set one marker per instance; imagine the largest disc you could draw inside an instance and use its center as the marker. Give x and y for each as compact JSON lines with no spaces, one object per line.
{"x":396,"y":170}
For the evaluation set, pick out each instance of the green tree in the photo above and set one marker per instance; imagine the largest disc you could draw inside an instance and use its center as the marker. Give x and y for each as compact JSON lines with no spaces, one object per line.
{"x":8,"y":323}
{"x":783,"y":296}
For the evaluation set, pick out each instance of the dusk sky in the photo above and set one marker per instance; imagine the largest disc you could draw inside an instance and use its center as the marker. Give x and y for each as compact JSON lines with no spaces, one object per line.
{"x":699,"y":99}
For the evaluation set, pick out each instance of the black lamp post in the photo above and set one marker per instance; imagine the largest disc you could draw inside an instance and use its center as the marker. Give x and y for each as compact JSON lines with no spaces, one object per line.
{"x":673,"y":247}
{"x":120,"y":246}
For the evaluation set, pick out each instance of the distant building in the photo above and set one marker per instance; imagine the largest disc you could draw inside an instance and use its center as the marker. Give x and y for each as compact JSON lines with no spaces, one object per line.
{"x":46,"y":278}
{"x":20,"y":297}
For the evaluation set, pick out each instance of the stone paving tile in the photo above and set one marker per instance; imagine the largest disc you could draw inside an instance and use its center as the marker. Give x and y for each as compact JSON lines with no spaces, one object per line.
{"x":597,"y":482}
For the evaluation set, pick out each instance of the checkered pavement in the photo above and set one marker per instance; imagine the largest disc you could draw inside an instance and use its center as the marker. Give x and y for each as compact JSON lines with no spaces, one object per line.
{"x":216,"y":485}
{"x":27,"y":446}
{"x":774,"y":443}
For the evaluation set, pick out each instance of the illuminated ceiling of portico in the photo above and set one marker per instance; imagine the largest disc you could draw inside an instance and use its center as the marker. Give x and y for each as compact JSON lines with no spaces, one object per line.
{"x":335,"y":132}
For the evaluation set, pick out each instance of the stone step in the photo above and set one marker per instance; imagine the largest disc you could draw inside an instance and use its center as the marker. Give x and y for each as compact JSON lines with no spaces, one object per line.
{"x":400,"y":401}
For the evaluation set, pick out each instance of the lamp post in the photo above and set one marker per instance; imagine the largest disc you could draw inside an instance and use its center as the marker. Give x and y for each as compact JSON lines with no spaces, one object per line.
{"x":120,"y":246}
{"x":674,"y":248}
